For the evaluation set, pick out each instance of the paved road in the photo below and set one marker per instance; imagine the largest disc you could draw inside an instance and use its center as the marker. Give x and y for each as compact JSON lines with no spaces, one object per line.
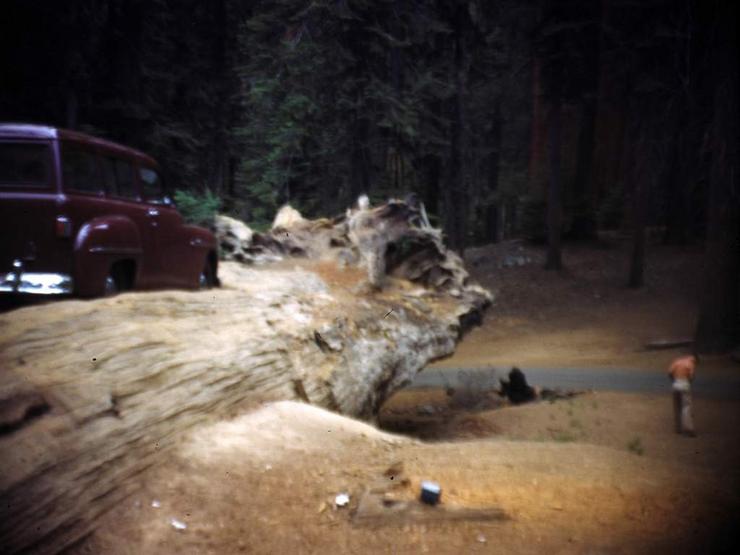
{"x":612,"y":379}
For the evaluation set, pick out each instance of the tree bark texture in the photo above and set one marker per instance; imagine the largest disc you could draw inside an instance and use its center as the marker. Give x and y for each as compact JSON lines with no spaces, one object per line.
{"x":432,"y":171}
{"x":455,"y":193}
{"x":637,"y":258}
{"x":611,"y":115}
{"x":675,"y":185}
{"x":554,"y":191}
{"x":718,"y":327}
{"x":638,"y":175}
{"x":494,"y":209}
{"x":538,"y":135}
{"x":584,"y":225}
{"x":93,"y":392}
{"x":359,"y":161}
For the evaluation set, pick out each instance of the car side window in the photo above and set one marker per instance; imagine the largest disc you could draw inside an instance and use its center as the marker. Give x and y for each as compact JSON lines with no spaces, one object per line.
{"x":80,"y":170}
{"x":151,"y":184}
{"x":108,"y":167}
{"x":24,"y":164}
{"x":126,"y":185}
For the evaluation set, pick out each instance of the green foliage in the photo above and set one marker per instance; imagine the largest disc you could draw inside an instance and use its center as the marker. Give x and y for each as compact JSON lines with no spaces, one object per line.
{"x":313,"y":103}
{"x":353,"y":97}
{"x":196,"y":208}
{"x":288,"y":101}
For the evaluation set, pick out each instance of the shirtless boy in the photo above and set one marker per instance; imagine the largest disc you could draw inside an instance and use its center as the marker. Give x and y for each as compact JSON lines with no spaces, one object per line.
{"x":681,"y":372}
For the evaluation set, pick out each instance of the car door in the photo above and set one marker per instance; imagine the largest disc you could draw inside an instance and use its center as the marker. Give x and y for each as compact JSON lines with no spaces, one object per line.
{"x":179,"y":266}
{"x":124,"y":199}
{"x":84,"y":200}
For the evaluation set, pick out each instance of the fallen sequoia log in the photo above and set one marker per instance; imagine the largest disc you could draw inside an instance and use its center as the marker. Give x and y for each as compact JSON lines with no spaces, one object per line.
{"x":92,"y":392}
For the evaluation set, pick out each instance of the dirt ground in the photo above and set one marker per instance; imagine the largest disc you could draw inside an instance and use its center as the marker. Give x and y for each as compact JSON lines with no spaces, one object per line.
{"x":583,"y":316}
{"x":598,"y":473}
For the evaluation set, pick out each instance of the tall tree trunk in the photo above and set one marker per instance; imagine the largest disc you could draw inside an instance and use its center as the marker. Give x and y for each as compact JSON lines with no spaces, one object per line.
{"x":674,"y":187}
{"x":501,"y":219}
{"x":359,"y":163}
{"x":220,"y":67}
{"x":637,"y":173}
{"x":431,"y":194}
{"x":455,"y":191}
{"x":584,"y":219}
{"x":584,"y":224}
{"x":608,"y":170}
{"x":126,"y":59}
{"x":397,"y":80}
{"x":494,"y":212}
{"x":639,"y":212}
{"x":718,"y":327}
{"x":537,"y":139}
{"x":554,"y":191}
{"x":231,"y":182}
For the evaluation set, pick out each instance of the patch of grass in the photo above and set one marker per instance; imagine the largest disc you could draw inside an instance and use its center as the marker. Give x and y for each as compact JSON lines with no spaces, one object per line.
{"x":635,"y":446}
{"x":595,"y":405}
{"x":563,"y":436}
{"x":576,"y":423}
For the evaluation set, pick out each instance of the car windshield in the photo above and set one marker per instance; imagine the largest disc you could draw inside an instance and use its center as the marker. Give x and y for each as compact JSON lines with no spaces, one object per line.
{"x":152,"y":185}
{"x":24,"y":165}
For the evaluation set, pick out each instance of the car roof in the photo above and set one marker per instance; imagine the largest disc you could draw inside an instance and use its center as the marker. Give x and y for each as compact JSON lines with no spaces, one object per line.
{"x":33,"y":131}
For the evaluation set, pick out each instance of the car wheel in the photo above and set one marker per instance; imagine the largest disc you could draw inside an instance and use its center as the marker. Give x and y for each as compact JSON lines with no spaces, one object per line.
{"x":111,"y":287}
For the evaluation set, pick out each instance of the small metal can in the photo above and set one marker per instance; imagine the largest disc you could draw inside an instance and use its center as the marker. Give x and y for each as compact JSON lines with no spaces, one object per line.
{"x":430,"y":492}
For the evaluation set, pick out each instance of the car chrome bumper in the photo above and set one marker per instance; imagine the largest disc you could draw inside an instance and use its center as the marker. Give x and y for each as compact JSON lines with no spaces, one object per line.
{"x":37,"y":283}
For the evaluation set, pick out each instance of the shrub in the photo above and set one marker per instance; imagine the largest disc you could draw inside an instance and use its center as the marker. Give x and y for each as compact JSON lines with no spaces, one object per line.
{"x":636,"y":446}
{"x":197,"y":208}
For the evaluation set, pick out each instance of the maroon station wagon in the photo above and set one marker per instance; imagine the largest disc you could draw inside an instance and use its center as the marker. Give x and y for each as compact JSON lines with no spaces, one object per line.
{"x":84,"y":216}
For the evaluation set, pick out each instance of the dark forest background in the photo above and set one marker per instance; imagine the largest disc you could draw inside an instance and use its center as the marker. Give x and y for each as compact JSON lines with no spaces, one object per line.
{"x":545,"y":119}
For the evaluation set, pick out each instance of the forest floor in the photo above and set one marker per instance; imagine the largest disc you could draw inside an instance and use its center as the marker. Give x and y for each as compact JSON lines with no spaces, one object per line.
{"x":583,"y":316}
{"x":601,"y":472}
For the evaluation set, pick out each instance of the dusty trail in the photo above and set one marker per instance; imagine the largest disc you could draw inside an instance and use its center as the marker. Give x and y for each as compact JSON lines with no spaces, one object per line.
{"x":713,"y":384}
{"x":265,"y":483}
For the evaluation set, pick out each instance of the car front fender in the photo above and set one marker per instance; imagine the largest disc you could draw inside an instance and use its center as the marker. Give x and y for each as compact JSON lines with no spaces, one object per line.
{"x":99,"y":244}
{"x":204,"y":245}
